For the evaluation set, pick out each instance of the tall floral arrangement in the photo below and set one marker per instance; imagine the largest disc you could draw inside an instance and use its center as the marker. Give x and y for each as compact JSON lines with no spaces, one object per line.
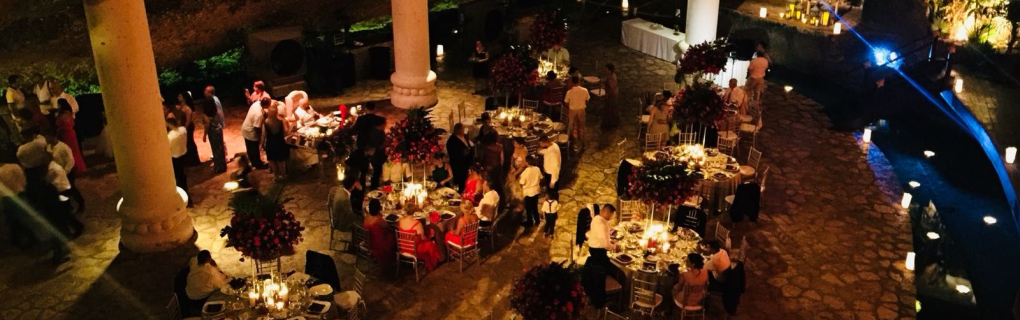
{"x":665,"y":180}
{"x":704,"y":58}
{"x":548,"y":292}
{"x":548,"y":29}
{"x":414,"y":140}
{"x":700,"y":102}
{"x":340,"y":143}
{"x":261,"y":228}
{"x":512,"y":72}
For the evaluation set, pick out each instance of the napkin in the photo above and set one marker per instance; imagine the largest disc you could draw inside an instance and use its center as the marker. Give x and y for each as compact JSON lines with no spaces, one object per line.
{"x":434,"y":217}
{"x":387,"y":189}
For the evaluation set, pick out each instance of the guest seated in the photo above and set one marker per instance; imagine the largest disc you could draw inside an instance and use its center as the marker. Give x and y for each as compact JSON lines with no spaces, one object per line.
{"x":304,"y":115}
{"x":717,"y":261}
{"x":735,"y":97}
{"x":380,"y":236}
{"x":694,"y":276}
{"x":552,"y":87}
{"x":205,"y":278}
{"x":488,"y":208}
{"x":428,"y":252}
{"x":467,"y":216}
{"x":472,"y":186}
{"x":558,"y":55}
{"x":394,"y":172}
{"x":441,"y":173}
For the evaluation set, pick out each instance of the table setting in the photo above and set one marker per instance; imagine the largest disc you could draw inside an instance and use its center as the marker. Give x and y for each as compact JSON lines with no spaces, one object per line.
{"x":426,"y":202}
{"x":718,"y":171}
{"x":521,"y":123}
{"x":290,"y":296}
{"x":652,"y":247}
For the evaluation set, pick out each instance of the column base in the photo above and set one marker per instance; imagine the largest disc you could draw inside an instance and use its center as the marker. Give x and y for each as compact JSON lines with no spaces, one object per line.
{"x":407,"y":94}
{"x":162,"y":233}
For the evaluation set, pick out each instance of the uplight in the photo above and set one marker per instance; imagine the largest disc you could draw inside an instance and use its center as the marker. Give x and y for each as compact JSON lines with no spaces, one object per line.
{"x":787,"y":88}
{"x":837,"y":28}
{"x":914,"y":184}
{"x":439,"y":51}
{"x":905,"y":203}
{"x":962,"y":289}
{"x":910,"y":261}
{"x":231,"y":185}
{"x":1010,"y":154}
{"x":929,"y":153}
{"x":933,"y":235}
{"x":958,"y":85}
{"x":990,"y":220}
{"x":625,"y":6}
{"x":867,"y":135}
{"x":763,"y":12}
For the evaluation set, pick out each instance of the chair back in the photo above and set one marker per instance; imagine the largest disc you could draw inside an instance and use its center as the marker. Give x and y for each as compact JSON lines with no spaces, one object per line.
{"x":173,"y":309}
{"x":564,"y":115}
{"x":333,"y":219}
{"x":629,"y":208}
{"x":723,"y":235}
{"x":322,"y":267}
{"x":469,"y":235}
{"x":359,"y":282}
{"x":743,"y":248}
{"x":643,"y":291}
{"x":557,"y":94}
{"x":407,"y":242}
{"x":763,"y":177}
{"x":653,"y":142}
{"x":359,"y":236}
{"x":753,"y":158}
{"x":531,"y":143}
{"x":727,"y":146}
{"x":529,"y":104}
{"x":687,"y":138}
{"x":690,"y":219}
{"x":701,"y":292}
{"x":461,"y":111}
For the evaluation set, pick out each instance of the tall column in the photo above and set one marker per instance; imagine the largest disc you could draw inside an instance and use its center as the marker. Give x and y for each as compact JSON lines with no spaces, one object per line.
{"x":414,"y":85}
{"x":702,"y":21}
{"x":154,"y":216}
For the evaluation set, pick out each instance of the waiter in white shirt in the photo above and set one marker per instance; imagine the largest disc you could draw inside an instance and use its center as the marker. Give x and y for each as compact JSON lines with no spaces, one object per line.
{"x":177,"y":135}
{"x":598,"y":261}
{"x":530,"y":180}
{"x":550,"y":163}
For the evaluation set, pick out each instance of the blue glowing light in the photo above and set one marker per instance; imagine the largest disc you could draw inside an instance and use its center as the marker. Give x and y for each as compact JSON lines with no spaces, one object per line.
{"x":884,"y":56}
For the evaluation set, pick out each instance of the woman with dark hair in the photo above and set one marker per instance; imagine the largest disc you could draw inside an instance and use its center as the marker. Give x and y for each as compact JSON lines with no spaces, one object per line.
{"x":473,"y":185}
{"x":67,"y":135}
{"x":214,"y":135}
{"x":480,"y":67}
{"x":458,"y":147}
{"x":694,"y":276}
{"x":441,"y":172}
{"x":610,"y":117}
{"x":186,"y":105}
{"x":490,"y":157}
{"x":380,"y":236}
{"x":277,"y":149}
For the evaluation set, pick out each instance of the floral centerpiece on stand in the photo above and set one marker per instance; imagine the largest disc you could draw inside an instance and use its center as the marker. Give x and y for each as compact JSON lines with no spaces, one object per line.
{"x":339,"y":143}
{"x":548,"y":29}
{"x":261,"y":228}
{"x":704,"y":58}
{"x":665,"y":180}
{"x":701,"y":103}
{"x":414,"y":140}
{"x":548,"y":292}
{"x":512,"y":73}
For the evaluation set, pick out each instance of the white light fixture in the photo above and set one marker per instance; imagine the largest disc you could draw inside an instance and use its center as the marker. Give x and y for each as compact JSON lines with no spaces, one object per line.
{"x":183,"y":194}
{"x":914,"y":184}
{"x":1010,"y":154}
{"x":763,"y":12}
{"x":905,"y":203}
{"x":929,"y":153}
{"x":119,"y":203}
{"x":958,"y":85}
{"x":231,"y":186}
{"x":990,"y":220}
{"x":961,"y":33}
{"x":867,"y":135}
{"x":439,"y":51}
{"x":782,"y":15}
{"x":787,"y":88}
{"x":910,"y":261}
{"x":837,"y":28}
{"x":933,"y":235}
{"x":625,"y":6}
{"x":962,"y":289}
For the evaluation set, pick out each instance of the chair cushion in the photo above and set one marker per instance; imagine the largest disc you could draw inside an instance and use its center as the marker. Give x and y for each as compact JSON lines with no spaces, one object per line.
{"x":592,"y":79}
{"x":347,"y":299}
{"x":646,"y":118}
{"x":728,"y":135}
{"x":747,"y":171}
{"x":560,"y":126}
{"x":729,"y":199}
{"x":612,"y":285}
{"x":746,"y":118}
{"x":658,"y":301}
{"x":457,"y":245}
{"x":562,"y":138}
{"x":598,"y":92}
{"x":408,"y":255}
{"x":747,"y":127}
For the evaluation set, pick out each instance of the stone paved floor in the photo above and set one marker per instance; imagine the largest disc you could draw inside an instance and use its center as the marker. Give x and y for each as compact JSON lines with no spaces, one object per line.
{"x":830,"y":246}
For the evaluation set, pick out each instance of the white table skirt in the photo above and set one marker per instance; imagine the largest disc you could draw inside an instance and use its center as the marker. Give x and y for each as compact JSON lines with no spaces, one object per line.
{"x":638,"y":34}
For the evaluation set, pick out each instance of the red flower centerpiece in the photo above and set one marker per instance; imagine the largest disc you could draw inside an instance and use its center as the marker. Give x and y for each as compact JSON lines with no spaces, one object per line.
{"x":665,"y":180}
{"x":548,"y":29}
{"x":414,"y":139}
{"x":704,"y":58}
{"x":261,"y":228}
{"x":548,"y":292}
{"x":511,"y":73}
{"x":700,"y":102}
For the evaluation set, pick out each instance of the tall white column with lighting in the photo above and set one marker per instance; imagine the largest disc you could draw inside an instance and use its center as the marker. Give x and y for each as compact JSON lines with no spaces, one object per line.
{"x":153,"y":214}
{"x":414,"y":84}
{"x":702,"y":21}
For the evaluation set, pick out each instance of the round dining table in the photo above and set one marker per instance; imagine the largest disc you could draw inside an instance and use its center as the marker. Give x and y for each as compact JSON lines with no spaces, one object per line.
{"x":304,"y":291}
{"x":721,"y":176}
{"x":632,"y":260}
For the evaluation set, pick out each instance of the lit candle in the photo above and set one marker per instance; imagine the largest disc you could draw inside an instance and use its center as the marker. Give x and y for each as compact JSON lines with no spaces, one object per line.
{"x":958,"y":85}
{"x":782,"y":15}
{"x":354,"y":111}
{"x":502,"y":115}
{"x":825,"y":18}
{"x":625,"y":6}
{"x":791,"y":7}
{"x":1010,"y":154}
{"x":910,"y":261}
{"x":270,"y":301}
{"x":837,"y":28}
{"x":439,"y":51}
{"x":803,"y":19}
{"x":866,"y":136}
{"x":284,"y":292}
{"x":763,"y":12}
{"x":665,"y":247}
{"x":279,"y":305}
{"x":905,"y":203}
{"x":522,"y":118}
{"x":253,"y":297}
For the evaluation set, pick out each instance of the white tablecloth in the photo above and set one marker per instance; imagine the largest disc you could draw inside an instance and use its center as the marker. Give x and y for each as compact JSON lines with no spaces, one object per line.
{"x":638,"y":34}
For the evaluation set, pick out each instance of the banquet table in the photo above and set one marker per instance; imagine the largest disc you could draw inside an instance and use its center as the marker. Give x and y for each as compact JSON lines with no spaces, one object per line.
{"x":661,"y":43}
{"x":721,"y":176}
{"x":444,"y":202}
{"x":507,"y":123}
{"x":237,"y":306}
{"x":668,"y":264}
{"x":305,"y":142}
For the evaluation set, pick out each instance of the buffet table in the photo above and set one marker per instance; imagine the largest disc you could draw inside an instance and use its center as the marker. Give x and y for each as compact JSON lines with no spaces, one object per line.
{"x":660,"y":43}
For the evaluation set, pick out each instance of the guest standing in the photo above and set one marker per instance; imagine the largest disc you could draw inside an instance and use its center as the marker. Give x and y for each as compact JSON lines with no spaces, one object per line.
{"x":358,"y":165}
{"x":598,"y":264}
{"x":258,"y":92}
{"x":43,"y":196}
{"x":277,"y":150}
{"x":530,"y":181}
{"x":610,"y":116}
{"x":176,"y":134}
{"x":210,"y":94}
{"x":551,"y":161}
{"x":490,"y":157}
{"x":63,"y":156}
{"x":480,"y":67}
{"x":756,"y":75}
{"x":427,"y":251}
{"x":214,"y":135}
{"x":461,"y":154}
{"x":658,"y":120}
{"x":441,"y":172}
{"x":67,"y":135}
{"x":15,"y":98}
{"x":371,"y":130}
{"x":56,"y":93}
{"x":551,"y":208}
{"x":251,"y":131}
{"x":558,"y":55}
{"x":42,"y":93}
{"x":186,"y":104}
{"x":577,"y":101}
{"x":380,"y":236}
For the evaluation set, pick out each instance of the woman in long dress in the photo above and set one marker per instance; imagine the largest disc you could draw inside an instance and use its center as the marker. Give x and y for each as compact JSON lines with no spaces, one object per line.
{"x":186,"y":104}
{"x":67,"y":135}
{"x":427,"y":251}
{"x":277,"y":150}
{"x":380,"y":236}
{"x":658,"y":120}
{"x":480,"y":67}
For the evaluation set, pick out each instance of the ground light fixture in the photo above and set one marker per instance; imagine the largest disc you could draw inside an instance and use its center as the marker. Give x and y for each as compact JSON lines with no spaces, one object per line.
{"x":914,"y":184}
{"x":230,"y":186}
{"x":866,"y":137}
{"x":837,"y":28}
{"x":990,"y":220}
{"x":905,"y":203}
{"x":1010,"y":155}
{"x":763,"y":12}
{"x":787,"y":88}
{"x":958,"y":85}
{"x":909,"y":263}
{"x":933,"y":235}
{"x":929,"y":153}
{"x":962,"y":289}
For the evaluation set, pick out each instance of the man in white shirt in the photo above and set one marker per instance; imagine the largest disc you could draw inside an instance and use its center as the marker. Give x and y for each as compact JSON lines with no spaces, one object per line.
{"x":210,"y":93}
{"x":717,"y":260}
{"x":599,"y":245}
{"x":15,"y":98}
{"x":489,"y":206}
{"x":558,"y":55}
{"x":177,"y":135}
{"x":42,"y":92}
{"x":251,"y":130}
{"x":304,"y":114}
{"x":756,"y":76}
{"x":577,"y":101}
{"x":736,"y":97}
{"x":530,"y":181}
{"x":394,"y":172}
{"x":34,"y":154}
{"x":63,"y":158}
{"x":204,"y":277}
{"x":550,"y":163}
{"x":57,"y":93}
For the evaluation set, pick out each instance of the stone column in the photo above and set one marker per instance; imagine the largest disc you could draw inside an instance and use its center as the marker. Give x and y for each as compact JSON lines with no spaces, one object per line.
{"x":414,"y":85}
{"x":702,"y":21}
{"x":153,"y":215}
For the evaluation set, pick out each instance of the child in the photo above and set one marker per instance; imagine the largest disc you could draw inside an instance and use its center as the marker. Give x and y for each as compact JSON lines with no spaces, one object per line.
{"x":549,"y":208}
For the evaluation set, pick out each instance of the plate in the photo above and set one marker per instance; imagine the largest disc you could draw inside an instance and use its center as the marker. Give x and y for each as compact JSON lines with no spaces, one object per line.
{"x":296,"y":318}
{"x":391,"y":218}
{"x":720,"y":175}
{"x":447,"y":215}
{"x":214,"y":307}
{"x":624,"y":258}
{"x":321,"y":290}
{"x":299,"y":276}
{"x":374,"y":194}
{"x":318,"y":307}
{"x":652,"y":258}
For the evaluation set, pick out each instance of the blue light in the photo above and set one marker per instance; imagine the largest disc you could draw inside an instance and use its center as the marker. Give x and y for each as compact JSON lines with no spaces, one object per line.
{"x":883,"y":56}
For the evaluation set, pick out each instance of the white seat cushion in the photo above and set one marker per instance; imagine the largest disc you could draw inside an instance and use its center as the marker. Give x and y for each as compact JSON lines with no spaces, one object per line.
{"x":598,"y":92}
{"x":747,"y":127}
{"x":457,"y":245}
{"x":746,"y":118}
{"x":408,"y":255}
{"x":729,"y":199}
{"x":560,"y":126}
{"x":746,"y":171}
{"x":562,"y":138}
{"x":646,"y":118}
{"x":658,"y":301}
{"x":728,"y":135}
{"x":347,"y":299}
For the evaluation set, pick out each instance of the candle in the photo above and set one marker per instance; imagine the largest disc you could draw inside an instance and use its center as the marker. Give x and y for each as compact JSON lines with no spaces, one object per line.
{"x":837,"y":28}
{"x":910,"y":261}
{"x":279,"y":305}
{"x":354,"y":111}
{"x":439,"y":51}
{"x":270,"y":301}
{"x":1010,"y":154}
{"x":803,"y":19}
{"x":284,"y":292}
{"x":958,"y":85}
{"x":782,"y":15}
{"x":905,"y":203}
{"x":665,"y":247}
{"x":791,"y":7}
{"x":825,"y":18}
{"x":763,"y":12}
{"x":253,"y":297}
{"x":866,"y":136}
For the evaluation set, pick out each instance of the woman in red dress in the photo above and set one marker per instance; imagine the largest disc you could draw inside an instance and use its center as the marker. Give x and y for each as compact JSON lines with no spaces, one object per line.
{"x":66,"y":134}
{"x":467,"y":216}
{"x":472,"y":186}
{"x":428,"y":252}
{"x":380,"y":236}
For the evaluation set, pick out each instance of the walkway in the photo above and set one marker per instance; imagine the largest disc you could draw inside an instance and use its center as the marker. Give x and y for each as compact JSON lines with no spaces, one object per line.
{"x":831,"y":245}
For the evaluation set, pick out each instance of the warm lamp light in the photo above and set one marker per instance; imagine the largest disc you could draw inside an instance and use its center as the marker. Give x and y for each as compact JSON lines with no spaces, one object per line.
{"x":787,"y":88}
{"x":825,"y":18}
{"x":439,"y":51}
{"x":1010,"y":154}
{"x":231,"y":185}
{"x":961,"y":33}
{"x":962,"y":289}
{"x":905,"y":203}
{"x":929,"y":153}
{"x":990,"y":220}
{"x":914,"y":184}
{"x":625,"y":6}
{"x":837,"y":28}
{"x":910,"y":261}
{"x":958,"y":85}
{"x":867,"y":135}
{"x":763,"y":12}
{"x":933,"y":235}
{"x":782,"y":15}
